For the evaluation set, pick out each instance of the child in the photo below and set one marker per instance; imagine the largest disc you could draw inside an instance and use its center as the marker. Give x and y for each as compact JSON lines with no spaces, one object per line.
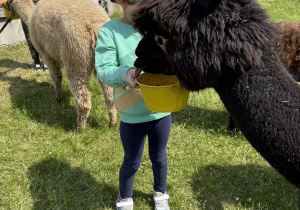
{"x":114,"y":59}
{"x":34,"y":53}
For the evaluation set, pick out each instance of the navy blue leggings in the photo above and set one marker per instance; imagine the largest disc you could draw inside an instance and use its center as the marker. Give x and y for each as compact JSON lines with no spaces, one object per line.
{"x":133,"y":140}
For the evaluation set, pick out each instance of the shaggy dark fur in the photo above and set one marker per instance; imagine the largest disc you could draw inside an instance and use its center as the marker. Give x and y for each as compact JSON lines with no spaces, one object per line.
{"x":288,"y":46}
{"x":228,"y":45}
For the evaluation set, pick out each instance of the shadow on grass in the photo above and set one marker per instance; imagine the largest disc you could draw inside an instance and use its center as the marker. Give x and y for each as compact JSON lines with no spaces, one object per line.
{"x":37,"y":101}
{"x":54,"y":184}
{"x":206,"y":119}
{"x":11,"y":64}
{"x":247,"y":186}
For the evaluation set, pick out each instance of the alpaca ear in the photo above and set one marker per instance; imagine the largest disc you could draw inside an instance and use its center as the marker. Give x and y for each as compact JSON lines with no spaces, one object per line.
{"x":141,"y":23}
{"x":142,"y":19}
{"x":202,"y":8}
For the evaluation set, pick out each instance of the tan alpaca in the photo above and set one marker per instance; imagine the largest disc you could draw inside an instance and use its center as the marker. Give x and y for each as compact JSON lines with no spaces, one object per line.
{"x":65,"y":32}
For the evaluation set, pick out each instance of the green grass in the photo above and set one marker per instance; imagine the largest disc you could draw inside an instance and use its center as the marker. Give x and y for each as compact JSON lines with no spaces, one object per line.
{"x":46,"y":164}
{"x":282,"y":10}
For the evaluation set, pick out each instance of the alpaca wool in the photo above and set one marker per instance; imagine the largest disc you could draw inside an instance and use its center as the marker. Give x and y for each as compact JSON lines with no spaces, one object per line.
{"x":228,"y":45}
{"x":64,"y":32}
{"x":288,"y":46}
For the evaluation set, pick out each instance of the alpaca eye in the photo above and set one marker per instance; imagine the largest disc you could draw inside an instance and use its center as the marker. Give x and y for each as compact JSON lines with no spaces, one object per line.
{"x":160,"y":41}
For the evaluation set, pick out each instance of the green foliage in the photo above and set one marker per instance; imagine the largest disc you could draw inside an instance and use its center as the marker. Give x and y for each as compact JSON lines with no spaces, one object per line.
{"x":46,"y":164}
{"x":116,"y":16}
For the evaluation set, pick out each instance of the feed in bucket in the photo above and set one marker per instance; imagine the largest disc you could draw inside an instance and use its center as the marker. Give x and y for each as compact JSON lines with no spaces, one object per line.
{"x":163,"y":93}
{"x":7,"y":12}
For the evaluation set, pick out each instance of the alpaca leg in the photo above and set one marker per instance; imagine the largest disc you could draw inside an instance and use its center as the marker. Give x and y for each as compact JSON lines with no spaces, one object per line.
{"x":231,"y":127}
{"x":56,"y":75}
{"x":79,"y":85}
{"x":109,"y":102}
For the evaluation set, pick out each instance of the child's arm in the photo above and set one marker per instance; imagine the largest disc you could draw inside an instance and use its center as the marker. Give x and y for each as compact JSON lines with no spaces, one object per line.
{"x":106,"y":63}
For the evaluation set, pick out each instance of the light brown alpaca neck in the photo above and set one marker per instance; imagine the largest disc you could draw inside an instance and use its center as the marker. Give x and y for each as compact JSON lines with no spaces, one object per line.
{"x":24,"y":8}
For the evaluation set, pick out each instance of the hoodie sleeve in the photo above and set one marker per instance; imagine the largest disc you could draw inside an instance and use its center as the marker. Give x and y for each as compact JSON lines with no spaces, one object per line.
{"x":108,"y":70}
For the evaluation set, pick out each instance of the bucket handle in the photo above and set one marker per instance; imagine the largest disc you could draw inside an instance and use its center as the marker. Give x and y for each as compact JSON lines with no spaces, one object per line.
{"x":12,"y":13}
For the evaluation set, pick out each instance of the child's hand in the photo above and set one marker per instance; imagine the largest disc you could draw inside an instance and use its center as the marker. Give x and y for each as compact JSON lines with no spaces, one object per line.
{"x":130,"y":78}
{"x":138,"y":73}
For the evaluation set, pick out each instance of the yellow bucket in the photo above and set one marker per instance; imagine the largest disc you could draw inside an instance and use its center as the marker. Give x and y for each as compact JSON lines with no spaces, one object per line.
{"x":7,"y":12}
{"x":163,"y":93}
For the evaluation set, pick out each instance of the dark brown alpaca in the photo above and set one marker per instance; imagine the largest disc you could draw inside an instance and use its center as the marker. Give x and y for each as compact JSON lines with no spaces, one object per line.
{"x":288,"y":46}
{"x":228,"y":45}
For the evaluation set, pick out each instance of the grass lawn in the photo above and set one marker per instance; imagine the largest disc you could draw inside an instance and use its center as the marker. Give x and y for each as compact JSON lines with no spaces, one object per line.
{"x":46,"y":164}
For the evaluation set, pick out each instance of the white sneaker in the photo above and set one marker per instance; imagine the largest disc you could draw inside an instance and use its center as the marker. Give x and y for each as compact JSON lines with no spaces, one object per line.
{"x":161,"y":201}
{"x":45,"y":67}
{"x":37,"y":66}
{"x":124,"y":204}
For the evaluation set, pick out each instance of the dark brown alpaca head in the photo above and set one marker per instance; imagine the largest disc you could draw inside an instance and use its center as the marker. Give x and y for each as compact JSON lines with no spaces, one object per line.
{"x":206,"y":43}
{"x":151,"y":57}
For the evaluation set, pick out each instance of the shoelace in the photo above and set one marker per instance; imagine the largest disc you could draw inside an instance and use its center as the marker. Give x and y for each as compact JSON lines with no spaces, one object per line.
{"x":160,"y":199}
{"x":125,"y":204}
{"x":160,"y":204}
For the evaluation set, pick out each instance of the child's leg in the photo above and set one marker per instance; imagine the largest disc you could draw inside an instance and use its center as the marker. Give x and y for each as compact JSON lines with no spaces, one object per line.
{"x":158,"y":138}
{"x":133,"y":139}
{"x":34,"y":54}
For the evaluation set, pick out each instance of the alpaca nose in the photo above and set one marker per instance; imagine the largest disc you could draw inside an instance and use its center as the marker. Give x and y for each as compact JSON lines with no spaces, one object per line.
{"x":139,"y":51}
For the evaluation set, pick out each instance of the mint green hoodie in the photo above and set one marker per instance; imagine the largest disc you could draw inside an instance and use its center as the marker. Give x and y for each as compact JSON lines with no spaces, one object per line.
{"x":114,"y":56}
